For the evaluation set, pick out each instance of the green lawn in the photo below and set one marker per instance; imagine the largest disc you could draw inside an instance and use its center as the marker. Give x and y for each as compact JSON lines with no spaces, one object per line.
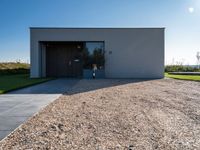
{"x":12,"y":82}
{"x":184,"y":77}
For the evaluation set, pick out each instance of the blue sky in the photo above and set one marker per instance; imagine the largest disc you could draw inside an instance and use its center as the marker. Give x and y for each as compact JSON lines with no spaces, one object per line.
{"x":180,"y":17}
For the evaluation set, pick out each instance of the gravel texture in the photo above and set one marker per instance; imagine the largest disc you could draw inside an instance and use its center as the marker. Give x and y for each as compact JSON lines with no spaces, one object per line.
{"x":116,"y":114}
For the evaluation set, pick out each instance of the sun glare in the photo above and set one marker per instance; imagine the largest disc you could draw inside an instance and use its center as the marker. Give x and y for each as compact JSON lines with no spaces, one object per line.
{"x":191,"y":9}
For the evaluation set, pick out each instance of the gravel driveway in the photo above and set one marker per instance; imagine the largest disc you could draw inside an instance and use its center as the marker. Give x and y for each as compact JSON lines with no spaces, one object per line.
{"x":116,"y":114}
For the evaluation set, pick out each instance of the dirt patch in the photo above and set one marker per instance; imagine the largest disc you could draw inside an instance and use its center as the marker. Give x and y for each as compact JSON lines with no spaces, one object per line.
{"x":116,"y":114}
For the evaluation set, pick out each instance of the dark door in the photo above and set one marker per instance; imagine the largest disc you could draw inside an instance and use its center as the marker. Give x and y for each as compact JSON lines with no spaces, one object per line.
{"x":64,"y":59}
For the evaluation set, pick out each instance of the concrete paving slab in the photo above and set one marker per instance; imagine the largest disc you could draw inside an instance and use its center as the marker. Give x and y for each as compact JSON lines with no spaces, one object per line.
{"x":17,"y":106}
{"x":3,"y":109}
{"x":10,"y":123}
{"x":4,"y":133}
{"x":22,"y":111}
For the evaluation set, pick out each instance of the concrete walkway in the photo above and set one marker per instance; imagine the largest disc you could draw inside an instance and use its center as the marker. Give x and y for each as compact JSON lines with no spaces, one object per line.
{"x":17,"y":106}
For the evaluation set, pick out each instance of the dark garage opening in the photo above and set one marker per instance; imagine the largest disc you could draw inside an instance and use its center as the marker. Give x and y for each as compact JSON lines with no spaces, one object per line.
{"x":72,"y":59}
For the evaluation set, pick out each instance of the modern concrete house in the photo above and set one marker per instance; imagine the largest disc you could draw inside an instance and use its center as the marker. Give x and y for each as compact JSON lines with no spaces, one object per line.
{"x":111,"y":52}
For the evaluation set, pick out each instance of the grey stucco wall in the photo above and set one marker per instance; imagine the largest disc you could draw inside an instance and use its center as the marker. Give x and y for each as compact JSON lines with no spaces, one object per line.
{"x":136,"y":52}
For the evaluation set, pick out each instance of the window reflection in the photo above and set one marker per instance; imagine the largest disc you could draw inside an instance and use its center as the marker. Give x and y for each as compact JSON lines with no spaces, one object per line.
{"x":93,"y":55}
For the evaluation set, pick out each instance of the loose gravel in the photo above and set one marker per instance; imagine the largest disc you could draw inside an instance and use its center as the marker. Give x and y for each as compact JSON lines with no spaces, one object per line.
{"x":116,"y":114}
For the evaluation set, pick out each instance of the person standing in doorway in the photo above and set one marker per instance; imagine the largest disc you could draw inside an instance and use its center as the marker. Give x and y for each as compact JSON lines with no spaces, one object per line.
{"x":94,"y":68}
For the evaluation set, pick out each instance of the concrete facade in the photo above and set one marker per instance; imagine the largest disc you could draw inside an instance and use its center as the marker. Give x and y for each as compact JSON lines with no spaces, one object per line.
{"x":129,"y":52}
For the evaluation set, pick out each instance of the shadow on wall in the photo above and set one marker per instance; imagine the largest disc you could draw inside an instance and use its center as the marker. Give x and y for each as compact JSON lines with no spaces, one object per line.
{"x":74,"y":86}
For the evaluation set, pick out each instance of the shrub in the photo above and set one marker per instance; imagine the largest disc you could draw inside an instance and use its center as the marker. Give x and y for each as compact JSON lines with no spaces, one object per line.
{"x":7,"y":68}
{"x":181,"y":68}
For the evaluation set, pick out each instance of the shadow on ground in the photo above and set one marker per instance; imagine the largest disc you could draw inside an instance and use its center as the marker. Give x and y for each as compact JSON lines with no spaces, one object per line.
{"x":80,"y":86}
{"x":73,"y":86}
{"x":70,"y":86}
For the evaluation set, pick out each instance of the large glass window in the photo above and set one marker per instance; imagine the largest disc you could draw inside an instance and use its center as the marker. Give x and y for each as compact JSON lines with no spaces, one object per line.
{"x":93,"y":57}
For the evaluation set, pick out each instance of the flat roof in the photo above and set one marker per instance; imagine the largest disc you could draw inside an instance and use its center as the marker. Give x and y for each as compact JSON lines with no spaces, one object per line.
{"x":97,"y":27}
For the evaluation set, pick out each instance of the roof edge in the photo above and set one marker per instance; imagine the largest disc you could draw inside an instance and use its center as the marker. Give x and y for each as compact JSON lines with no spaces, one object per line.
{"x":96,"y":27}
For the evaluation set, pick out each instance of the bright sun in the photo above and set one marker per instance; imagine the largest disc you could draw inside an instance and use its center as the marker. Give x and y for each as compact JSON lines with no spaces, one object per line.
{"x":191,"y":9}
